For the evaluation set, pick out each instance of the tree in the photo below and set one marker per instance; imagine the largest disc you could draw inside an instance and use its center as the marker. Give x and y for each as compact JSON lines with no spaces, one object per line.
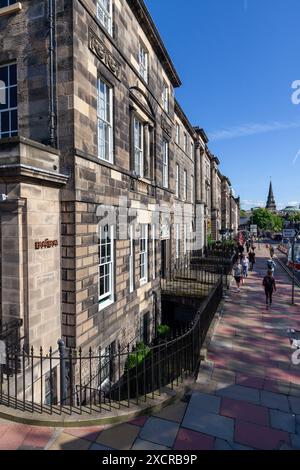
{"x":266,"y":220}
{"x":262,"y":218}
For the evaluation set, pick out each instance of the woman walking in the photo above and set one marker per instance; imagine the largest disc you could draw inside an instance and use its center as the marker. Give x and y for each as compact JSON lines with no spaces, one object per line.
{"x":245,"y":265}
{"x":270,"y":287}
{"x":237,"y":274}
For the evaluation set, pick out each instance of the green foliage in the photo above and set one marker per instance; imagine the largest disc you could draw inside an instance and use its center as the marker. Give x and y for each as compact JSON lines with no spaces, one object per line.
{"x":266,"y":220}
{"x":210,"y":241}
{"x":137,"y":357}
{"x":294,"y":218}
{"x":243,"y":213}
{"x":163,"y":330}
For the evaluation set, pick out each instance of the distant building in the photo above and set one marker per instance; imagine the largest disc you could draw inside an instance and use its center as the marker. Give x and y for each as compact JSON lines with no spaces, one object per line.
{"x":271,"y":204}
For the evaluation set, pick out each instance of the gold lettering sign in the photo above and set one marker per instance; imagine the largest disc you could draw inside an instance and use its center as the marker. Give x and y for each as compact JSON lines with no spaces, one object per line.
{"x":46,"y":244}
{"x":103,"y":54}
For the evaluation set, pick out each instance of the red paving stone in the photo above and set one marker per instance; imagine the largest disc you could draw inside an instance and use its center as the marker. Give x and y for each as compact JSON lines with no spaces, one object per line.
{"x":140,"y":421}
{"x":252,"y":382}
{"x":38,"y":437}
{"x":190,"y":440}
{"x":244,"y":411}
{"x":14,"y":436}
{"x":259,"y":437}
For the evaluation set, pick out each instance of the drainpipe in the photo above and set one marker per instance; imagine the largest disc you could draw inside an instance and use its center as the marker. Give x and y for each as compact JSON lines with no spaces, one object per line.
{"x":52,"y":72}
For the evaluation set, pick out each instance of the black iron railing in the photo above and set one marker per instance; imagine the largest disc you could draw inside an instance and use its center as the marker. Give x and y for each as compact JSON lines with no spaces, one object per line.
{"x":68,"y":381}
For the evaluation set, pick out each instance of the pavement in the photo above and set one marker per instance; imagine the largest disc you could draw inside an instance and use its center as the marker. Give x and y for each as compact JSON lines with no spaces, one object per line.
{"x":247,"y":395}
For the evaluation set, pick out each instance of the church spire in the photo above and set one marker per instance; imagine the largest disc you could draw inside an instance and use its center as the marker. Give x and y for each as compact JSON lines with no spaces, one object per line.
{"x":271,"y":204}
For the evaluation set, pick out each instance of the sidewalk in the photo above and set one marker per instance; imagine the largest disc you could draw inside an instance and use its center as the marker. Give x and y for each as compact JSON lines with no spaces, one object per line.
{"x":247,"y":395}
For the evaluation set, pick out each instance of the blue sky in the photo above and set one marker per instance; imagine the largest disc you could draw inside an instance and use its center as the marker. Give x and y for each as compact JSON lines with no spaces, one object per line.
{"x":237,"y":60}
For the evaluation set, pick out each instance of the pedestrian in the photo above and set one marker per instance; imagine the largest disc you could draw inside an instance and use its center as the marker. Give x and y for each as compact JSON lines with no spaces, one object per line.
{"x":237,"y":274}
{"x":272,"y":251}
{"x":252,"y":259}
{"x":245,"y":266}
{"x":271,"y":265}
{"x":241,"y":251}
{"x":248,"y":246}
{"x":269,"y":284}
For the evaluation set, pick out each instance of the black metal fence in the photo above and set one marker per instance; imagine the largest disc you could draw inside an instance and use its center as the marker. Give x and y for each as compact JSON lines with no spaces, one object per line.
{"x":66,"y":381}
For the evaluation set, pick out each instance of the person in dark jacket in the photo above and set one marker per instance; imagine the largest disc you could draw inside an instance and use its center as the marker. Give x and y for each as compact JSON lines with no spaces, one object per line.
{"x":252,"y":259}
{"x":269,"y":284}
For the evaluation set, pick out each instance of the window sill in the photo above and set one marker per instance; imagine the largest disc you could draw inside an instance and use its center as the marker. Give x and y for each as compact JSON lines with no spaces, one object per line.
{"x":15,"y":8}
{"x":105,"y":304}
{"x":143,"y":282}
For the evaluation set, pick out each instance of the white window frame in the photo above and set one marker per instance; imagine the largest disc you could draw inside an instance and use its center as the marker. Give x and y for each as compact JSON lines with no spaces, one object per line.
{"x":143,"y":253}
{"x":185,"y":185}
{"x":177,"y":181}
{"x":9,"y":3}
{"x":185,"y":142}
{"x":138,"y":146}
{"x":185,"y":238}
{"x":165,"y":172}
{"x":177,"y":134}
{"x":105,"y":16}
{"x":153,"y":251}
{"x":192,"y":189}
{"x":143,"y":62}
{"x":5,"y":89}
{"x":166,"y":97}
{"x":106,"y":298}
{"x":131,"y":259}
{"x":105,"y":119}
{"x":177,"y":241}
{"x":192,"y":150}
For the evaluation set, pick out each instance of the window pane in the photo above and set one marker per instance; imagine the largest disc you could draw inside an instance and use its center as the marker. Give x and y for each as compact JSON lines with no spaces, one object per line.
{"x":13,"y":97}
{"x":5,"y":121}
{"x":14,"y":121}
{"x":4,"y":75}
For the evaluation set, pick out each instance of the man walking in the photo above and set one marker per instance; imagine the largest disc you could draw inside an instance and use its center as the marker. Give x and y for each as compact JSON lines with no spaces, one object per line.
{"x":270,"y":287}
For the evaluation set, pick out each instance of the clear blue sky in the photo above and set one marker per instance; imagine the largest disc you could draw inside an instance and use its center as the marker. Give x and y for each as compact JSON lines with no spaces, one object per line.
{"x":237,"y":60}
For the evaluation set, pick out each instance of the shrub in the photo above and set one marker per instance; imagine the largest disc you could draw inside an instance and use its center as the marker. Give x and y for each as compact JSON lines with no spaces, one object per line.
{"x":137,"y":357}
{"x":163,"y":330}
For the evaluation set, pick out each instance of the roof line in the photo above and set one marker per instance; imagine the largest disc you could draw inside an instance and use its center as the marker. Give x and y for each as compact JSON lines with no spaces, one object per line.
{"x":141,"y":12}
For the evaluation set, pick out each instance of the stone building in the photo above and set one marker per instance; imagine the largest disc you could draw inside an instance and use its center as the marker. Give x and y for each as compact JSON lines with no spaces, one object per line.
{"x":216,"y":196}
{"x":226,"y":211}
{"x":90,"y":132}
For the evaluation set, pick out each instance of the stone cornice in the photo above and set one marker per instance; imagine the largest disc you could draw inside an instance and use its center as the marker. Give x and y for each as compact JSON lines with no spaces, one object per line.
{"x":142,"y":14}
{"x":180,"y":113}
{"x":23,"y":172}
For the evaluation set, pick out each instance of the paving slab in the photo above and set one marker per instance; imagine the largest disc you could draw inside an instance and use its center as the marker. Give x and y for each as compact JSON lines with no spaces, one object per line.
{"x":259,"y":437}
{"x":237,"y":392}
{"x":160,"y":431}
{"x":140,"y":444}
{"x":283,"y":421}
{"x":191,"y":440}
{"x":204,"y":401}
{"x":98,"y":447}
{"x":295,"y":404}
{"x":209,"y":423}
{"x":173,"y":413}
{"x":244,"y":411}
{"x":120,"y":437}
{"x":275,"y":400}
{"x":220,"y":444}
{"x":68,"y":442}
